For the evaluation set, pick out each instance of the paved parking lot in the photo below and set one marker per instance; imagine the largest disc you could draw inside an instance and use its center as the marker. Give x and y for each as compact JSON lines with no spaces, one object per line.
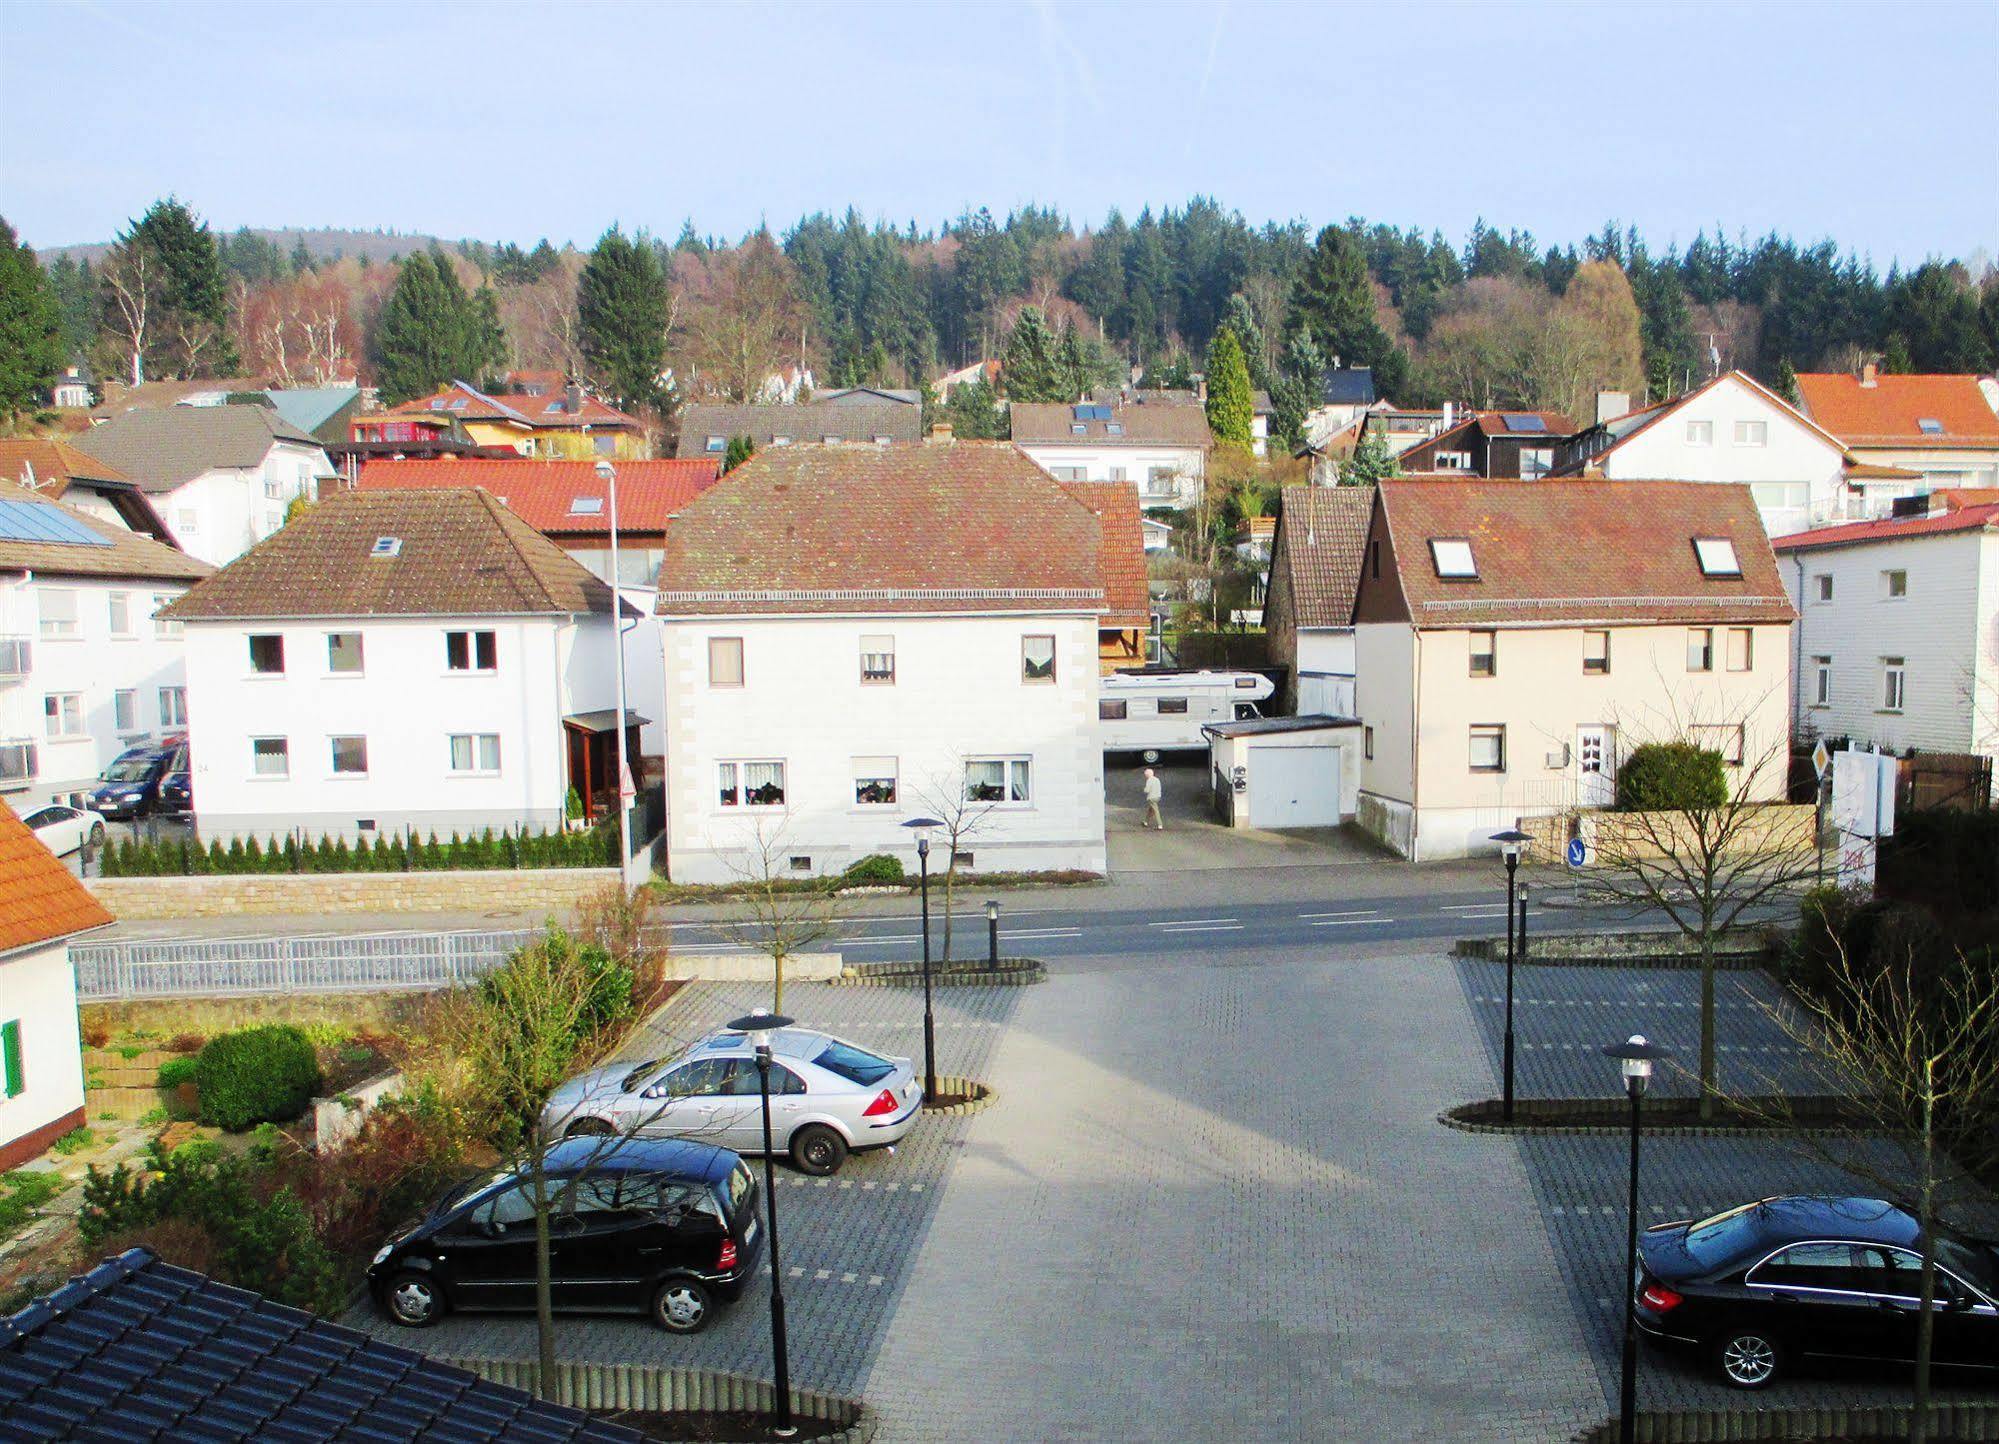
{"x":848,"y":1241}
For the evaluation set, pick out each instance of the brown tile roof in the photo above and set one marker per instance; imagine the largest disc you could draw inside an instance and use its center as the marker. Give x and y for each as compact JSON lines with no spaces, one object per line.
{"x":1050,"y":423}
{"x":169,"y":447}
{"x":128,"y":554}
{"x":41,"y":901}
{"x":1553,"y":423}
{"x":1115,"y":505}
{"x":1890,"y":411}
{"x":1979,"y":516}
{"x":51,"y":461}
{"x":547,"y":412}
{"x":541,"y":492}
{"x":965,"y":527}
{"x":1574,"y":551}
{"x":814,"y":421}
{"x":462,"y":554}
{"x":1324,"y":533}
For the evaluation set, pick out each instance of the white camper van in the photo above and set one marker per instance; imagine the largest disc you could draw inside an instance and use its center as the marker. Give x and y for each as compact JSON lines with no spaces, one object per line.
{"x":1155,"y":712}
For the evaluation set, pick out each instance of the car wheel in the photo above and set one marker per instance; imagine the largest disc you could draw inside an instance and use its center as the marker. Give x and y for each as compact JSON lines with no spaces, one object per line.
{"x":1748,"y":1356}
{"x":414,"y":1300}
{"x":1151,"y":755}
{"x":682,"y":1305}
{"x":588,"y":1128}
{"x":817,"y":1150}
{"x":97,"y":834}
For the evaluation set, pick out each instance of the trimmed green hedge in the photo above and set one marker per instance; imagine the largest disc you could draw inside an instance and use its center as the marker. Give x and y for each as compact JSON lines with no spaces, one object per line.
{"x":1670,"y":777}
{"x":184,"y":858}
{"x":875,"y":867}
{"x":255,"y":1075}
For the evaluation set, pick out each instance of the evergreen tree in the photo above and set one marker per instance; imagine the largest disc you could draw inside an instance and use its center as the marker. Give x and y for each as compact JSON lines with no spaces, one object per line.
{"x":165,"y":299}
{"x":1787,"y":382}
{"x":975,"y":413}
{"x":1240,"y":317}
{"x":1072,"y":366}
{"x":621,"y":313}
{"x":1935,"y":314}
{"x":31,"y":350}
{"x":431,"y":333}
{"x":1098,"y":284}
{"x":1230,"y":405}
{"x":1371,"y":462}
{"x":1332,"y":301}
{"x":1895,"y":356}
{"x":1294,"y":393}
{"x":1031,"y":369}
{"x":740,"y":450}
{"x":76,"y":299}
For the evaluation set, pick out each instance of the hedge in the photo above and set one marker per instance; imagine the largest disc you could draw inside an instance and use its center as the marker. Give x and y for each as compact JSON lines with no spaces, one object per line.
{"x":395,"y":853}
{"x":255,"y":1075}
{"x":1671,"y":777}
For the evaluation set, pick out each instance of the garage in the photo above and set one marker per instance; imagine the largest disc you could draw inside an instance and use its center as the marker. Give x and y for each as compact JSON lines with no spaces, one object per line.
{"x":1294,"y":786}
{"x":1284,"y":773}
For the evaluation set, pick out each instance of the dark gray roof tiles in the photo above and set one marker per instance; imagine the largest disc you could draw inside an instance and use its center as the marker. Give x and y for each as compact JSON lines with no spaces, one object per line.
{"x":171,"y":446}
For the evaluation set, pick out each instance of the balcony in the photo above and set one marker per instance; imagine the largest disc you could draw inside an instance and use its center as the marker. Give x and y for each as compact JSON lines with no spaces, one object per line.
{"x":19,"y":762}
{"x":16,"y":658}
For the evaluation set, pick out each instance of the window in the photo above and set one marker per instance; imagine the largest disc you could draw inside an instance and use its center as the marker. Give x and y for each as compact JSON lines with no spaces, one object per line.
{"x":472,"y":651}
{"x":120,"y":607}
{"x":586,"y":506}
{"x":1700,"y":433}
{"x":725,"y":661}
{"x":1118,"y":474}
{"x":1069,"y":473}
{"x":62,"y":714}
{"x":1741,"y":656}
{"x":343,"y":652}
{"x":1112,"y":709}
{"x":1781,"y":495}
{"x":1374,"y":560}
{"x":1929,"y":426}
{"x":717,"y":444}
{"x":1536,"y":462}
{"x":1752,"y":433}
{"x":1809,"y":1266}
{"x":997,"y":779}
{"x":1160,"y":479}
{"x":878,"y":659}
{"x":1453,"y":558}
{"x":173,"y":706}
{"x":271,"y":756}
{"x":475,"y":752}
{"x":267,"y":654}
{"x":1079,"y":428}
{"x":1821,"y":681}
{"x":58,"y":609}
{"x":1113,"y":428}
{"x":273,"y":488}
{"x":1700,"y":649}
{"x":125,"y":709}
{"x":1367,"y":743}
{"x":350,"y":756}
{"x":883,"y":440}
{"x":1596,"y":653}
{"x":1484,"y":654}
{"x":1716,"y":554}
{"x":386,"y":546}
{"x":1172,"y":706}
{"x":830,"y":440}
{"x":1894,"y":680}
{"x":1822,"y":587}
{"x":780,"y":441}
{"x":164,"y":626}
{"x":1895,"y":584}
{"x":13,"y":1070}
{"x":874,"y":781}
{"x":1454,"y":461}
{"x":1037,"y":659}
{"x":750,"y":784}
{"x":1488,"y":748}
{"x":1725,"y":738}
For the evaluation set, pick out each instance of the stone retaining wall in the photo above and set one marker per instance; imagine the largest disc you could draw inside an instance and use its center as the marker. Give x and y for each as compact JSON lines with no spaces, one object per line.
{"x":554,"y":888}
{"x":649,"y":1388}
{"x":1951,"y":1423}
{"x":1770,"y":829}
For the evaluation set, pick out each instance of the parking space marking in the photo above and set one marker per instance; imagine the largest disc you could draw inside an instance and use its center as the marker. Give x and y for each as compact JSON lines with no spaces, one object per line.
{"x":1349,"y":922}
{"x":1190,"y":922}
{"x":1349,"y":913}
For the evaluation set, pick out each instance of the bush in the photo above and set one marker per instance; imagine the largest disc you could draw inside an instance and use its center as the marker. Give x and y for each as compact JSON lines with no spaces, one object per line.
{"x":1943,"y":857}
{"x":1671,"y":777}
{"x":878,"y":867}
{"x":176,"y":1071}
{"x":255,"y":1075}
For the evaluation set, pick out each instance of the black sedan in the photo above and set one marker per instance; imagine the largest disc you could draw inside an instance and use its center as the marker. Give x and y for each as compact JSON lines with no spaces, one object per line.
{"x":1763,"y":1286}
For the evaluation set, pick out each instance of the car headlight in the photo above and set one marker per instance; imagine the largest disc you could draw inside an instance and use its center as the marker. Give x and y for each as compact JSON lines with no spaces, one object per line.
{"x":131,"y":797}
{"x":382,"y":1254}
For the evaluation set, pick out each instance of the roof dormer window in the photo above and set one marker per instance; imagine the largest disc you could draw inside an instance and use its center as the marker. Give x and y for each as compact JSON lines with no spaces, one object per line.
{"x":1078,"y":428}
{"x":1453,"y":559}
{"x":1717,"y":556}
{"x":386,"y":546}
{"x":586,"y":505}
{"x":1930,"y":425}
{"x":1114,"y":428}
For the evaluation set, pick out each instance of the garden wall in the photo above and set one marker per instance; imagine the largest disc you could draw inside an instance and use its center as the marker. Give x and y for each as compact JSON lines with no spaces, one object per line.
{"x":1773,"y":827}
{"x":554,"y":888}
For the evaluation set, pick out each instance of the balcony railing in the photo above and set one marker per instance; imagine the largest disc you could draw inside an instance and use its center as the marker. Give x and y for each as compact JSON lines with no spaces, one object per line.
{"x":16,"y":657}
{"x":19,"y":763}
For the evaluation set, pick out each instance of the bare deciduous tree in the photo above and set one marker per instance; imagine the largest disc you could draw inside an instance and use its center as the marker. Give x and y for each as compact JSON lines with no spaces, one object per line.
{"x":782,"y":914}
{"x":961,"y":806}
{"x":744,"y":317}
{"x":131,"y":279}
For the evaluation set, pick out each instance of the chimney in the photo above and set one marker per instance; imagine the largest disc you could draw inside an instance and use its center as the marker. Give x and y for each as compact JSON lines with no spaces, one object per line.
{"x":1611,"y":404}
{"x":572,"y":397}
{"x":940,"y":433}
{"x":1450,"y":414}
{"x":1867,"y":375}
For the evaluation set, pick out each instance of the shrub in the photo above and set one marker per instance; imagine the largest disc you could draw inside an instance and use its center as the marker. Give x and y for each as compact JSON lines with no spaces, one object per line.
{"x":1671,"y":777}
{"x":878,"y":867}
{"x":21,"y":1194}
{"x":255,"y":1075}
{"x":95,"y":1034}
{"x":74,"y":1141}
{"x":176,"y":1071}
{"x":187,"y":1042}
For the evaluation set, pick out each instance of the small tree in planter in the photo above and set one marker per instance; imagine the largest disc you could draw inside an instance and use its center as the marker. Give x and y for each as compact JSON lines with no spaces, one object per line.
{"x":962,"y":804}
{"x":782,"y":914}
{"x":572,"y":809}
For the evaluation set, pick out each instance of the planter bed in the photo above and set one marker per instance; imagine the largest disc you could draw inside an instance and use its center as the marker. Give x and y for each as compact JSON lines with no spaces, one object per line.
{"x":958,"y":973}
{"x":1661,"y":1115}
{"x":1733,"y":951}
{"x":648,"y":1396}
{"x":960,"y":1097}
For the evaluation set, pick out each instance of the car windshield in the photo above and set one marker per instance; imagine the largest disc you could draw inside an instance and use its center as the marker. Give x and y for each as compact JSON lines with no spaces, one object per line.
{"x":1970,"y":1261}
{"x":856,"y":1065}
{"x":638,"y":1076}
{"x":471,"y":1188}
{"x":126,"y":769}
{"x":1723,"y":1238}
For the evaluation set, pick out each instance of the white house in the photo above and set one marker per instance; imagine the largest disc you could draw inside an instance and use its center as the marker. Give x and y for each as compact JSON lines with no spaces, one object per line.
{"x":41,"y":1056}
{"x":856,"y":637}
{"x":1941,"y":431}
{"x":1160,"y":447}
{"x":1308,"y":611}
{"x":400,"y":659}
{"x":1512,"y":642}
{"x":221,"y":476}
{"x":1898,"y":629}
{"x":87,"y":668}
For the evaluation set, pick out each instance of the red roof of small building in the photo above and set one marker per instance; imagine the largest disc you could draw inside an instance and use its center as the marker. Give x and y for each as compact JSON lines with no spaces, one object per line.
{"x":543,"y":493}
{"x":1961,"y":518}
{"x":1892,"y":410}
{"x":41,"y":901}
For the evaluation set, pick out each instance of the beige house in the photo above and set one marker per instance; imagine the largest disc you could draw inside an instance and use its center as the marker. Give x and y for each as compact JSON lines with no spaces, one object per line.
{"x":1512,"y":643}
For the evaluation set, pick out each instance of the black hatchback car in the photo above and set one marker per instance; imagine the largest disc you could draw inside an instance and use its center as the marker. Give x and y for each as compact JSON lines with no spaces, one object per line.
{"x":665,"y":1227}
{"x":130,"y":786}
{"x":1763,"y":1286}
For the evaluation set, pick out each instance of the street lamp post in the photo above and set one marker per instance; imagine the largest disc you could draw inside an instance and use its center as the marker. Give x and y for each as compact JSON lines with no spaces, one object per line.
{"x":921,"y":826}
{"x":759,"y":1025}
{"x":1511,"y":842}
{"x":608,"y":474}
{"x":992,"y":934}
{"x":1637,"y":1057}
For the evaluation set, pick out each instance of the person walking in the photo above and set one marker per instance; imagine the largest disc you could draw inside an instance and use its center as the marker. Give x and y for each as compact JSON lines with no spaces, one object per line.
{"x":1152,"y":795}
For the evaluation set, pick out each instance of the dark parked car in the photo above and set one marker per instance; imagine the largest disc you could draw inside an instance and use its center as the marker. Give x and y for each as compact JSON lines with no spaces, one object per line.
{"x":130,"y":786}
{"x":1764,"y":1286}
{"x":665,"y":1227}
{"x":177,"y":784}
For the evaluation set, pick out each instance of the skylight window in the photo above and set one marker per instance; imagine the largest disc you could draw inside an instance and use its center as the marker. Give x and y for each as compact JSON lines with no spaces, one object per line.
{"x":386,"y":546}
{"x":1717,"y":556}
{"x":586,"y":505}
{"x":1930,"y":425}
{"x":458,"y":403}
{"x":1077,"y":428}
{"x":1115,"y":428}
{"x":1453,"y":558}
{"x":1518,"y":421}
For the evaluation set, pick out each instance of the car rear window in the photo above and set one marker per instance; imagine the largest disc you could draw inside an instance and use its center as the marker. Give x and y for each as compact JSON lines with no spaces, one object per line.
{"x":856,"y":1065}
{"x":740,"y":1182}
{"x":1723,"y":1238}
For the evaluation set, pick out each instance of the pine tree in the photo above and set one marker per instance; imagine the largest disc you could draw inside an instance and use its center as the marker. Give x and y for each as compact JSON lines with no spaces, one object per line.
{"x":1294,"y":394}
{"x":31,"y":350}
{"x":1332,"y":301}
{"x":431,"y":333}
{"x":1231,"y":408}
{"x":741,"y":449}
{"x":1787,"y":382}
{"x":621,"y":313}
{"x":1072,"y":366}
{"x":194,"y":339}
{"x":1031,"y":370}
{"x":975,"y":413}
{"x":1240,"y":317}
{"x":1371,"y":462}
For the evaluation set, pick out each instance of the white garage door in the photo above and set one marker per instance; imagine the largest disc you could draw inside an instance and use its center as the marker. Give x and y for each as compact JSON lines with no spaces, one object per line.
{"x":1294,"y":786}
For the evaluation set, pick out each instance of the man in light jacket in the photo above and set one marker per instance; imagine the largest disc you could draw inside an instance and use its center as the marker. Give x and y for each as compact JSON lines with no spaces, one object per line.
{"x":1152,"y":794}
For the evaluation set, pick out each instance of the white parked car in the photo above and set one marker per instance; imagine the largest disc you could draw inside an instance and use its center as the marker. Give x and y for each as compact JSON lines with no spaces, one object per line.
{"x":64,"y":830}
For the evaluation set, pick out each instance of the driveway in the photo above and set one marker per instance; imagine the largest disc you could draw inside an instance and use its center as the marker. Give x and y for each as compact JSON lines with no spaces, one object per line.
{"x":1193,"y":840}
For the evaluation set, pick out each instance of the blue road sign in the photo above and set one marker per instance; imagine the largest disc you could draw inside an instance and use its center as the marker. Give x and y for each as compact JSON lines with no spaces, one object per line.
{"x":1578,"y":853}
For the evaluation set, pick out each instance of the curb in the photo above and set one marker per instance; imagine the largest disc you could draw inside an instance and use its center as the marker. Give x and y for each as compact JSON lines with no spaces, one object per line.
{"x":982,"y":1097}
{"x":1952,"y":1423}
{"x":1011,"y":973}
{"x":1550,"y":1111}
{"x":1493,"y":950}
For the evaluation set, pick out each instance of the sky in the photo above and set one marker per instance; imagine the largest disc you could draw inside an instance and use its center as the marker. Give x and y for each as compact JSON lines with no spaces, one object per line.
{"x":1875,"y":125}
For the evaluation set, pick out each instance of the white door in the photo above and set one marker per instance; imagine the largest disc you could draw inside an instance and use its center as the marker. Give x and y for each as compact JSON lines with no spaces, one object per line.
{"x":1596,"y":766}
{"x":1294,"y":787}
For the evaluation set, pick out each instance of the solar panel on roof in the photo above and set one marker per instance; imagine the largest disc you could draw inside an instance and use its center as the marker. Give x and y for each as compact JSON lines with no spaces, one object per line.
{"x":37,"y":521}
{"x":1515,"y":422}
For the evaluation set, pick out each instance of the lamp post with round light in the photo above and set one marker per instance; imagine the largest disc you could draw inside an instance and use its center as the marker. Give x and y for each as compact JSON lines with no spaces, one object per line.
{"x":608,"y":474}
{"x":758,"y":1027}
{"x":1637,"y":1057}
{"x":1511,"y":843}
{"x":921,"y":826}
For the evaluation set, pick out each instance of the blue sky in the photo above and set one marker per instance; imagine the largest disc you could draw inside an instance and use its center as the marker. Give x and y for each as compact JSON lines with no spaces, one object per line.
{"x":1873,"y":124}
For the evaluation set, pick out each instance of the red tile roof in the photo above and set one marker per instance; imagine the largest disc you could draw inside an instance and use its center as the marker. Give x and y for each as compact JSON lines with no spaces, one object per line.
{"x":53,"y":464}
{"x":548,"y":412}
{"x":1553,"y":423}
{"x":541,"y":492}
{"x":1576,"y":551}
{"x":1115,"y":505}
{"x":1890,"y":411}
{"x":41,"y":901}
{"x":1963,"y":518}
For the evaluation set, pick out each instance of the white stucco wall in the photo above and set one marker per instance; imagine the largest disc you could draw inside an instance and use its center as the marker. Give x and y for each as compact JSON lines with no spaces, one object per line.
{"x":1324,"y":670}
{"x":222,"y":513}
{"x":957,"y":694}
{"x":38,"y":987}
{"x":1127,"y":463}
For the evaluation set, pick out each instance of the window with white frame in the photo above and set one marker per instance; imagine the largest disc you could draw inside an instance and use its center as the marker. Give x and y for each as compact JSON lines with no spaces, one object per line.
{"x":725,"y":661}
{"x":119,"y":607}
{"x":1821,"y":681}
{"x":1596,"y":653}
{"x":1822,"y":587}
{"x":1781,"y":495}
{"x":1894,"y":682}
{"x":1488,"y":747}
{"x":1536,"y":462}
{"x":173,"y":706}
{"x":350,"y":756}
{"x":58,"y":612}
{"x":878,"y":660}
{"x":1118,"y":474}
{"x":472,"y":651}
{"x":343,"y":653}
{"x":1741,"y":642}
{"x":62,"y":715}
{"x":1112,"y":709}
{"x":1453,"y":559}
{"x":716,"y":444}
{"x":164,"y":626}
{"x":750,"y":783}
{"x":1037,"y":659}
{"x":125,"y":709}
{"x":1161,"y":479}
{"x":1894,"y":584}
{"x":1069,"y":473}
{"x":1700,"y":433}
{"x":1700,"y":649}
{"x":874,"y":781}
{"x":1752,"y":433}
{"x":271,"y":756}
{"x":1453,"y":461}
{"x":1484,"y":654}
{"x":1716,"y":555}
{"x":1725,"y":738}
{"x":998,"y":780}
{"x":475,"y":754}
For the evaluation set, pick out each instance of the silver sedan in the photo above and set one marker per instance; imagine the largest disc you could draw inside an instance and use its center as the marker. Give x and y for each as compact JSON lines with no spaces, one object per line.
{"x":827,"y":1098}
